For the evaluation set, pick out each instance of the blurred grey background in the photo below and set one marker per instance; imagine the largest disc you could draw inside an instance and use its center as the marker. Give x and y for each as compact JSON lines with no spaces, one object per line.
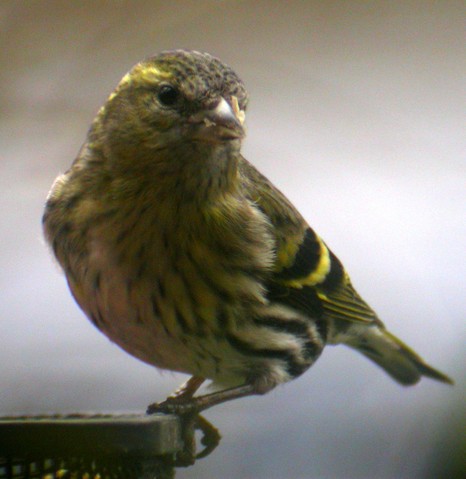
{"x":357,"y":114}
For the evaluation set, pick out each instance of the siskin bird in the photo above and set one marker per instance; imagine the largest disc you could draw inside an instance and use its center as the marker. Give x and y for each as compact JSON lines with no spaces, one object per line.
{"x":188,"y":258}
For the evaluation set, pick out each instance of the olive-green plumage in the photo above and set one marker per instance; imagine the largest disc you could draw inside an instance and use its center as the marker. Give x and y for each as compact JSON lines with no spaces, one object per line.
{"x":182,"y":253}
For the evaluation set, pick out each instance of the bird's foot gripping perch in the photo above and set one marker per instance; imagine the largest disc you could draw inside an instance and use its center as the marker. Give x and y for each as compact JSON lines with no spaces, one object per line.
{"x":191,"y":423}
{"x":183,"y":403}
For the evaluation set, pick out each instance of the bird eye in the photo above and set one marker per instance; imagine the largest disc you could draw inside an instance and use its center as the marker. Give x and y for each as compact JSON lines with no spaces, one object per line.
{"x":168,"y":95}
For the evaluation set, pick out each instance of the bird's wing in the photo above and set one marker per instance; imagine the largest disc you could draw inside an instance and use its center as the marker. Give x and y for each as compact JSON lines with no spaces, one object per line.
{"x":307,"y":275}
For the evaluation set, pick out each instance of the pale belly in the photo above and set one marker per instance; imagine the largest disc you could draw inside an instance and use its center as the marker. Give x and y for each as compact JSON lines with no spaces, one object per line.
{"x":175,"y":316}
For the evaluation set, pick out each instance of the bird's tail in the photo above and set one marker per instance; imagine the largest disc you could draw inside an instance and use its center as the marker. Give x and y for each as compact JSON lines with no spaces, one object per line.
{"x":395,"y":357}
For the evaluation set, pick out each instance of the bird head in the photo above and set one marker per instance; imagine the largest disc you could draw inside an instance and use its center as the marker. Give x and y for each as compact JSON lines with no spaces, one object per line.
{"x":176,"y":98}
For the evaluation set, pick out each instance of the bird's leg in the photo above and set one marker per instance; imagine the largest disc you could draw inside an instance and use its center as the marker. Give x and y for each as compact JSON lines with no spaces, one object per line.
{"x":188,"y":388}
{"x":208,"y":400}
{"x":181,"y":396}
{"x":200,"y":403}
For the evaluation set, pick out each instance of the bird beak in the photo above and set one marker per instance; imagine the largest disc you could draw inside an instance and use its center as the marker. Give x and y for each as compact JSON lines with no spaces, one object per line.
{"x":220,"y":123}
